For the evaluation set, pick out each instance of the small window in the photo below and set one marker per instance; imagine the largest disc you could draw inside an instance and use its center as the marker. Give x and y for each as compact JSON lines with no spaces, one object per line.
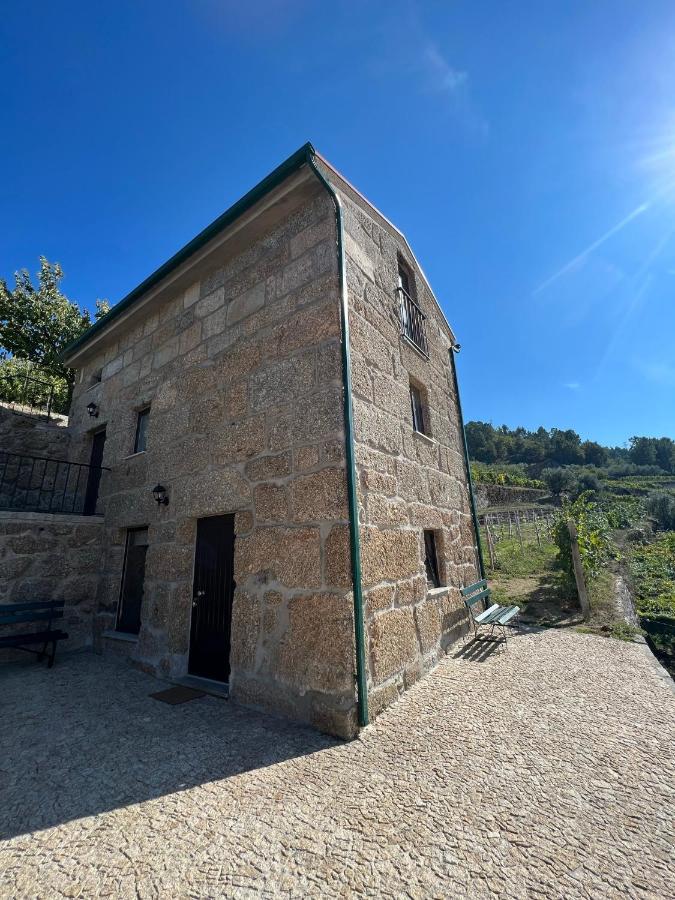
{"x":431,"y":559}
{"x":96,"y":376}
{"x":141,"y":441}
{"x":418,"y":407}
{"x":133,"y":581}
{"x":404,"y":279}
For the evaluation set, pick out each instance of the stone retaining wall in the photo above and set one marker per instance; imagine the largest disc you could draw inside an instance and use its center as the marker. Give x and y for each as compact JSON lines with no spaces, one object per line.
{"x":504,"y":495}
{"x":34,"y":435}
{"x":52,"y":557}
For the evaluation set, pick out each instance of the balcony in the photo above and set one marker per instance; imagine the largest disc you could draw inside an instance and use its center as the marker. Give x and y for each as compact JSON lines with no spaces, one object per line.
{"x":412,"y":322}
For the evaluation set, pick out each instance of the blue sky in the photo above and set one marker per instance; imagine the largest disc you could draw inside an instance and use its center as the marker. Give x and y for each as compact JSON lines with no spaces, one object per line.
{"x":527,"y":150}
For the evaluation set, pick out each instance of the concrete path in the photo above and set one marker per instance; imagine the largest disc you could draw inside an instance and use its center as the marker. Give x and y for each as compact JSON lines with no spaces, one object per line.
{"x":545,"y":771}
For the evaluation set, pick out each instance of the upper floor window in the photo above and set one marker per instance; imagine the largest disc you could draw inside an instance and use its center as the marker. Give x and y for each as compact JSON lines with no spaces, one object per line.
{"x":412,"y":317}
{"x":141,"y":439}
{"x":419,"y":410}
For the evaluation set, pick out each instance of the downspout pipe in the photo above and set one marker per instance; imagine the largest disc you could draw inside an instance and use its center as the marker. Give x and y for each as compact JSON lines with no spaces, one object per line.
{"x":474,"y":515}
{"x":354,"y":531}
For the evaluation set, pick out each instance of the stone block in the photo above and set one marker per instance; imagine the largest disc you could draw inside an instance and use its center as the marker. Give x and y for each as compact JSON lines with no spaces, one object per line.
{"x":320,"y":496}
{"x":312,"y":235}
{"x":305,"y":458}
{"x":428,"y":617}
{"x":337,"y":558}
{"x":329,"y":362}
{"x":246,"y":304}
{"x":210,"y":493}
{"x":393,"y":643}
{"x":246,"y":620}
{"x":238,"y":441}
{"x":266,"y":468}
{"x":379,"y":598}
{"x":316,"y":651}
{"x":290,"y":556}
{"x":282,"y":382}
{"x":376,"y":428}
{"x":311,"y":419}
{"x":389,"y":554}
{"x":191,"y":295}
{"x":271,"y":503}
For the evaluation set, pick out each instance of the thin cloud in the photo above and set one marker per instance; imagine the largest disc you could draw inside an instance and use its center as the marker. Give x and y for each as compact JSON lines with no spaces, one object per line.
{"x":572,"y":385}
{"x":581,"y":257}
{"x":661,"y":373}
{"x":444,"y":77}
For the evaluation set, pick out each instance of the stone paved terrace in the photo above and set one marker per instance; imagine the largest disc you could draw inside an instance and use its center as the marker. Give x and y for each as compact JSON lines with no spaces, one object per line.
{"x":106,"y":792}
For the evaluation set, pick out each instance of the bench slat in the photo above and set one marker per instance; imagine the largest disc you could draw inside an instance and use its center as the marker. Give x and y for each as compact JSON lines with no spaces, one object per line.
{"x":38,"y":637}
{"x":482,"y":596}
{"x":473,"y":587}
{"x":511,"y":611}
{"x":30,"y":617}
{"x":33,"y":604}
{"x":486,"y":617}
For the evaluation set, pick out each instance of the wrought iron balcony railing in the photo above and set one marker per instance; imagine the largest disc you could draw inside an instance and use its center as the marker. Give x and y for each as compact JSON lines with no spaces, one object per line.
{"x":42,"y":484}
{"x":413,"y":322}
{"x":24,"y":393}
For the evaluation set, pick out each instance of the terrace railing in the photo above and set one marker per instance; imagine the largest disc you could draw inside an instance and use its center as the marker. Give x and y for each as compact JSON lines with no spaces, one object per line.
{"x":413,"y":321}
{"x":43,"y":484}
{"x":25,"y":393}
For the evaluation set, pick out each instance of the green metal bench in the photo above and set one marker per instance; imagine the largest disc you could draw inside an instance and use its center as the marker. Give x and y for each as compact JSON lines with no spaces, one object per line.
{"x":36,"y":611}
{"x":493,"y":615}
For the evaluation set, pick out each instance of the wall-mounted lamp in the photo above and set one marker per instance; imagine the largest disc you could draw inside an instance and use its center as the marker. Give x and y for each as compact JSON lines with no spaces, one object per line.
{"x":159,"y":493}
{"x":456,"y":347}
{"x":92,"y":409}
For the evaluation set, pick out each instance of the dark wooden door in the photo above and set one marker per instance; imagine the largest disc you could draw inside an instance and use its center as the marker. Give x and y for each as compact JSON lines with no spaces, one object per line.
{"x":133,"y":581}
{"x":94,"y":478}
{"x":212,"y":595}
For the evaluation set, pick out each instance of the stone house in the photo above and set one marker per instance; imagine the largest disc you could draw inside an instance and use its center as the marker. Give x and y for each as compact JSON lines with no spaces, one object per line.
{"x":284,"y":498}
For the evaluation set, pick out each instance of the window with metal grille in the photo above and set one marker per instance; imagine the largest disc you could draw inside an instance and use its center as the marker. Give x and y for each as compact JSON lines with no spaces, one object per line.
{"x":412,"y":318}
{"x":431,"y":559}
{"x":141,"y":439}
{"x":418,"y":407}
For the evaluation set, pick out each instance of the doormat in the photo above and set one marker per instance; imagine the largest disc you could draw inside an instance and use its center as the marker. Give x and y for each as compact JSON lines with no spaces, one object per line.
{"x":178,"y":694}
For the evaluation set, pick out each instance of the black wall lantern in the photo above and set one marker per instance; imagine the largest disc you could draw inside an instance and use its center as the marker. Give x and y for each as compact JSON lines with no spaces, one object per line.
{"x":92,"y":409}
{"x":159,"y":493}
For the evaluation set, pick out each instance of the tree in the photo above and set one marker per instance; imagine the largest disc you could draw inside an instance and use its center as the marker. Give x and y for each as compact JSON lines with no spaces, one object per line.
{"x":38,"y":323}
{"x":594,"y":454}
{"x":566,"y":447}
{"x":642,"y":451}
{"x":558,"y":480}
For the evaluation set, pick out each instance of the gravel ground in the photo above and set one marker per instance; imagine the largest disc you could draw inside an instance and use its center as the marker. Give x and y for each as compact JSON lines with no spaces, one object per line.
{"x":544,"y":771}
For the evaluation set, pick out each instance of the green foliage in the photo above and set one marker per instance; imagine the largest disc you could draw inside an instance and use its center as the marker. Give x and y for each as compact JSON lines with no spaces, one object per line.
{"x":624,"y":632}
{"x":13,"y":373}
{"x":564,"y":447}
{"x":558,"y":480}
{"x":659,"y":452}
{"x":623,"y":512}
{"x":593,"y":535}
{"x":556,"y":447}
{"x":38,"y":323}
{"x":652,"y":570}
{"x":662,"y":508}
{"x":510,"y":475}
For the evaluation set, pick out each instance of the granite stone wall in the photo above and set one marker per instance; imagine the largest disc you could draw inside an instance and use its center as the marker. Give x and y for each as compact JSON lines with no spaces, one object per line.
{"x":35,"y":435}
{"x":242,"y":375}
{"x":52,"y":557}
{"x":407,"y":482}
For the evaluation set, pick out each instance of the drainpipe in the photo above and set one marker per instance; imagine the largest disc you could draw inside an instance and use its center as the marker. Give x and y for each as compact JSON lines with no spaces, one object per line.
{"x":474,"y":515}
{"x":354,"y":536}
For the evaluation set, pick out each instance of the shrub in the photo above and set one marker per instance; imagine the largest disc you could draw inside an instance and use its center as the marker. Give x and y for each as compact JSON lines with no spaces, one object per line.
{"x":558,"y":480}
{"x":662,"y":508}
{"x":593,"y":535}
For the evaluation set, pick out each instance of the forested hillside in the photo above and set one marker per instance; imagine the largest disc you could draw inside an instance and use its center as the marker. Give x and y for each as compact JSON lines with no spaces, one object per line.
{"x":559,"y":447}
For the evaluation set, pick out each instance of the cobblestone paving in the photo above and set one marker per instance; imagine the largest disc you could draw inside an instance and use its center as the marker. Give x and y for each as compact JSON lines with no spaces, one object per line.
{"x":545,"y":771}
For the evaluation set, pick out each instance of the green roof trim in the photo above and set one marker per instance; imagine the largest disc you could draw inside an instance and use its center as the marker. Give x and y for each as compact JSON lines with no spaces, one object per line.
{"x":288,"y":167}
